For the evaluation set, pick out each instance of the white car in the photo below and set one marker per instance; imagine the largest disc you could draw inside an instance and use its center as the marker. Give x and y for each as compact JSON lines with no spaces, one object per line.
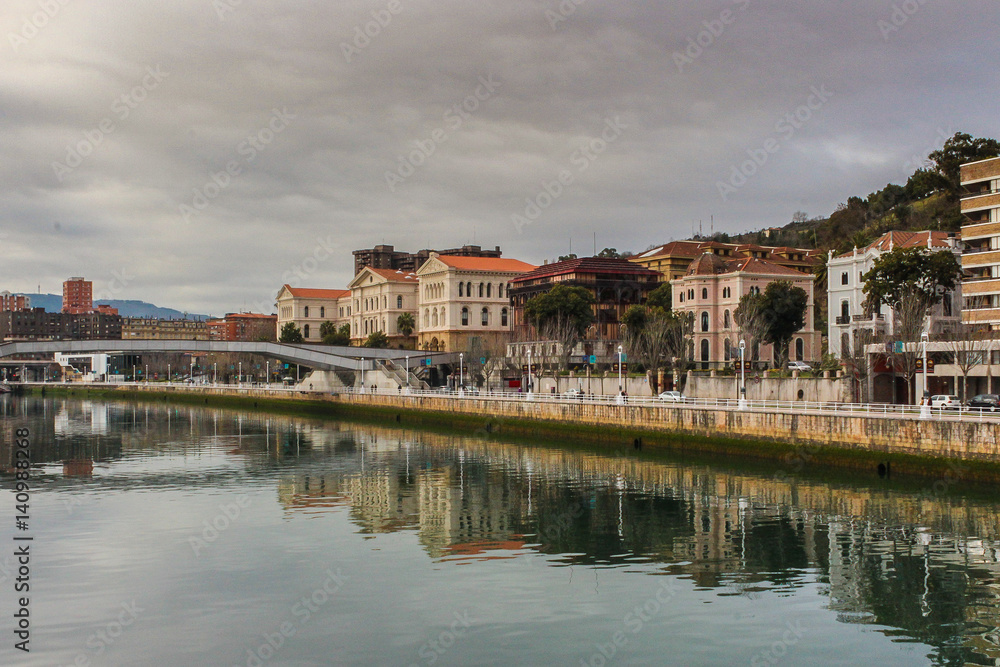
{"x":799,"y":366}
{"x":946,"y":402}
{"x":574,"y":393}
{"x":672,"y":396}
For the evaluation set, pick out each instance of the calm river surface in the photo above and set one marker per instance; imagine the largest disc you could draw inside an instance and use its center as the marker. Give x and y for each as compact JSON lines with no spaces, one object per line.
{"x":170,"y":535}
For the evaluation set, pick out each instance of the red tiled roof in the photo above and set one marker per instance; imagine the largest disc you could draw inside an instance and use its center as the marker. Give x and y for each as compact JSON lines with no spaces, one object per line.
{"x":599,"y":265}
{"x":899,"y":239}
{"x":709,"y":264}
{"x":310,"y":293}
{"x":689,"y":248}
{"x":491,"y":264}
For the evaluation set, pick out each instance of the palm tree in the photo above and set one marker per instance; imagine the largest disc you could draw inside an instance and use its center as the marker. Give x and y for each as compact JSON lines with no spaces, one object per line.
{"x":406,"y":324}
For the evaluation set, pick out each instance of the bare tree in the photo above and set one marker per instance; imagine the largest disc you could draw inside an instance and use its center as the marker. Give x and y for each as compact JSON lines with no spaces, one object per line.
{"x":908,"y":323}
{"x":856,"y":360}
{"x":968,"y":345}
{"x":495,"y":350}
{"x":751,"y":320}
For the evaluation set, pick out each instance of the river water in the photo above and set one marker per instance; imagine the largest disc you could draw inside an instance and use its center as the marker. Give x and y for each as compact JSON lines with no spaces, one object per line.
{"x":166,"y":535}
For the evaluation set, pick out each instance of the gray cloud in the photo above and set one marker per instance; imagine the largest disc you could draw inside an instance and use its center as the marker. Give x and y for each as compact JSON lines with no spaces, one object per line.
{"x":686,"y":124}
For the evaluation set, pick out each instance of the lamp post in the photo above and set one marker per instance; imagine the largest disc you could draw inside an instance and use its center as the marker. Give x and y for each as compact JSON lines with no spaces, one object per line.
{"x":743,"y":376}
{"x":407,"y":374}
{"x":191,"y":376}
{"x":133,"y":373}
{"x":621,"y":396}
{"x":215,"y":373}
{"x":362,"y":375}
{"x":925,"y":403}
{"x":168,"y":373}
{"x":461,"y":379}
{"x":267,"y":373}
{"x":528,"y":394}
{"x":239,"y":376}
{"x":147,"y":373}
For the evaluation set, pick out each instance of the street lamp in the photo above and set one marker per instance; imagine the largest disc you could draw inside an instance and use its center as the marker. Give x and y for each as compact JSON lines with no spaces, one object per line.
{"x":743,"y":376}
{"x":168,"y":373}
{"x":621,"y":395}
{"x":461,"y":381}
{"x":267,"y":367}
{"x":407,"y":374}
{"x":925,"y":404}
{"x":362,"y":375}
{"x":529,"y":373}
{"x":239,"y":378}
{"x":215,"y":373}
{"x":147,"y":373}
{"x":191,"y":376}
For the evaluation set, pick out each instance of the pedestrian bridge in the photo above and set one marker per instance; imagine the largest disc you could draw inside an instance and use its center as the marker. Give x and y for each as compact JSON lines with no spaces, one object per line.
{"x":318,"y":357}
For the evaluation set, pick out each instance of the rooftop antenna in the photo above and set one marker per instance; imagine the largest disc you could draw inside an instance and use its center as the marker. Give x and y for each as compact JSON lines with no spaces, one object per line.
{"x":595,"y":244}
{"x":712,"y":228}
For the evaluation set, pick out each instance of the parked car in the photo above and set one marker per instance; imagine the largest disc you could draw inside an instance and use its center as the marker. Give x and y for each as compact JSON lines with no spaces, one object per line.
{"x":672,"y":396}
{"x":574,"y":393}
{"x":946,"y":402}
{"x":989,"y":402}
{"x":799,"y":366}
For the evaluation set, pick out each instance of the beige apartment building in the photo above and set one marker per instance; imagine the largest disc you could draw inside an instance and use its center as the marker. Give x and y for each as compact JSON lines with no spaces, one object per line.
{"x":378,"y":298}
{"x":981,"y":237}
{"x":152,"y":328}
{"x":711,"y":290}
{"x":464,"y":297}
{"x":309,"y":308}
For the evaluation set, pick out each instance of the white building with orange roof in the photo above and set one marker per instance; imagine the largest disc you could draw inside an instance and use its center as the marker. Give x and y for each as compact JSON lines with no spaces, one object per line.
{"x":464,"y":297}
{"x":711,"y":290}
{"x":378,"y":298}
{"x":846,"y":297}
{"x":309,"y":308}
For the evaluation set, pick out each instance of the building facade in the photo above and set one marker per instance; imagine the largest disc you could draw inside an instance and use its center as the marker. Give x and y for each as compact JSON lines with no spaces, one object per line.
{"x":711,"y":291}
{"x":244,"y":327}
{"x":981,"y":237}
{"x":309,"y":308}
{"x":845,"y":291}
{"x":387,"y":257}
{"x":78,"y":296}
{"x":151,"y":328}
{"x":378,"y":298}
{"x":616,"y":284}
{"x":10,"y":301}
{"x":673,"y":259}
{"x":37,"y":324}
{"x":462,"y":298}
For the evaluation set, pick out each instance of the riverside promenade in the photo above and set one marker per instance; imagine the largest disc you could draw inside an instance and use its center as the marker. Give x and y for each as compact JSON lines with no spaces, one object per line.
{"x":815,"y":431}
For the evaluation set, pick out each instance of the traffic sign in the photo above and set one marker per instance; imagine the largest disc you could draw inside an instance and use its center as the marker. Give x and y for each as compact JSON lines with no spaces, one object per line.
{"x":482,"y":360}
{"x":427,"y":362}
{"x":593,"y":359}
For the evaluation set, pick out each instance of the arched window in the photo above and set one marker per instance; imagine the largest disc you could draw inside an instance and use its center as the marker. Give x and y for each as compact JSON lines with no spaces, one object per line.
{"x":486,"y":317}
{"x":399,"y":301}
{"x":503,"y":317}
{"x":500,"y":291}
{"x":322,"y":311}
{"x":704,"y":292}
{"x":461,"y":289}
{"x":305,"y":331}
{"x":704,"y":350}
{"x":306,"y":312}
{"x":682,"y":297}
{"x":800,"y":349}
{"x":489,"y":290}
{"x":480,"y":290}
{"x":468,"y":289}
{"x":465,"y":317}
{"x":427,"y":318}
{"x":725,"y":319}
{"x":385,"y":302}
{"x":434,"y":318}
{"x":729,"y":350}
{"x":704,"y":321}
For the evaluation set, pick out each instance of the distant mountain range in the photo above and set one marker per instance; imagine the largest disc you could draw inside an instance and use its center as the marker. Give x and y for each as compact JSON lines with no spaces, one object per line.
{"x":126,"y":308}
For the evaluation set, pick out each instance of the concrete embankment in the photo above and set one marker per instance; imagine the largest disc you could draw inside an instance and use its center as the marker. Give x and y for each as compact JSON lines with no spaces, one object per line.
{"x":893,"y":444}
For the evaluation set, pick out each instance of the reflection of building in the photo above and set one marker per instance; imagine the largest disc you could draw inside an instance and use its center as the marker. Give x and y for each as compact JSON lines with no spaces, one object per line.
{"x":464,"y":297}
{"x":711,"y":291}
{"x":309,"y":308}
{"x":846,"y":297}
{"x":616,"y":284}
{"x":244,"y":327}
{"x":151,"y":328}
{"x":981,"y":236}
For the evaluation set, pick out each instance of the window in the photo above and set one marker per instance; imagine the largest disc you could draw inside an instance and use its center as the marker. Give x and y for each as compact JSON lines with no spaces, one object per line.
{"x":503,"y":317}
{"x":468,"y":289}
{"x":704,"y":321}
{"x":305,"y":331}
{"x":946,"y":305}
{"x":704,"y":292}
{"x":845,"y":311}
{"x":489,"y":290}
{"x":800,"y":349}
{"x":704,"y":350}
{"x":682,"y":297}
{"x":725,"y":320}
{"x":486,"y":317}
{"x":500,"y":291}
{"x":465,"y":317}
{"x":690,"y":294}
{"x":461,"y":289}
{"x":729,"y":350}
{"x":480,"y":290}
{"x":322,"y":311}
{"x":399,"y":301}
{"x":306,"y":312}
{"x":385,"y":302}
{"x":844,"y":279}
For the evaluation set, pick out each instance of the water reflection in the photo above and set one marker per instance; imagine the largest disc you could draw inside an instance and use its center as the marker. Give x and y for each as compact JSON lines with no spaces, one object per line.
{"x":917,"y":568}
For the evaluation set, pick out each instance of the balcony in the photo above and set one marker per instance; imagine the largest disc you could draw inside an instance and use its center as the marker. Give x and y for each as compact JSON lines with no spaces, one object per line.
{"x":844,"y":319}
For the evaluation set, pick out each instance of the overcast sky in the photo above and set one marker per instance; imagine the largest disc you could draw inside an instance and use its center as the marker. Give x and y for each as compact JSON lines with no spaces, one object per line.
{"x":347,"y":123}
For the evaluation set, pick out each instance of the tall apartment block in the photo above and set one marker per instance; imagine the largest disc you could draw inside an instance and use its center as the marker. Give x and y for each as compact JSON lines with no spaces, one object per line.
{"x":981,"y":236}
{"x":78,"y":296}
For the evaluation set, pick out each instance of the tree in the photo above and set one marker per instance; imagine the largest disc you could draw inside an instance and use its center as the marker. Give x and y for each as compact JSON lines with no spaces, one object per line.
{"x":376,"y":339}
{"x":785,"y":309}
{"x":406,"y":324}
{"x":494,"y":346}
{"x":661,"y":297}
{"x":907,"y":270}
{"x":332,"y":335}
{"x":968,"y":345}
{"x":657,"y":338}
{"x":611,"y":253}
{"x":908,"y":323}
{"x":751,"y":321}
{"x":958,"y":150}
{"x":561,"y":305}
{"x":856,"y":361}
{"x":290,"y":334}
{"x":563,"y":258}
